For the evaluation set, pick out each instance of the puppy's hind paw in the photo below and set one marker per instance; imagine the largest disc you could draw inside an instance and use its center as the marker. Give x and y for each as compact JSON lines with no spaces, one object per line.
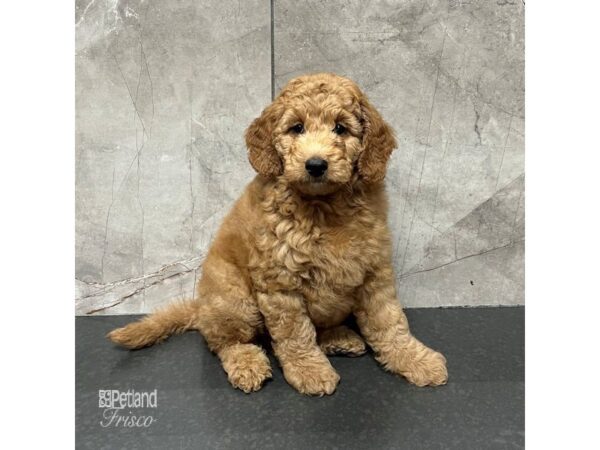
{"x":247,"y":366}
{"x":341,"y":340}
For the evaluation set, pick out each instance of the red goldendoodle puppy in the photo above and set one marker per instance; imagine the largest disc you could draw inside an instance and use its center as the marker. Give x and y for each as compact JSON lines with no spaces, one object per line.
{"x":305,"y":246}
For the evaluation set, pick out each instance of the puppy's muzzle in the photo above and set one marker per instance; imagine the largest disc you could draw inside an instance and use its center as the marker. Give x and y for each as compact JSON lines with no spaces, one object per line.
{"x":316,"y":167}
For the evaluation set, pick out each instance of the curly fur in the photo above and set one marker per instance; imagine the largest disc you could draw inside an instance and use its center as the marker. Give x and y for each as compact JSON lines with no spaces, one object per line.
{"x":297,"y":256}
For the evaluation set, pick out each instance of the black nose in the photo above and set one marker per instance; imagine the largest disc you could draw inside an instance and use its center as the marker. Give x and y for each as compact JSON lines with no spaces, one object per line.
{"x":316,"y":166}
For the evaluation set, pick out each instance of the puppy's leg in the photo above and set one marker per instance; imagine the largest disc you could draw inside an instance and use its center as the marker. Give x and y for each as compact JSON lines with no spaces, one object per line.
{"x":229,"y":332}
{"x":383,"y":324}
{"x":341,"y":340}
{"x":229,"y":321}
{"x":304,"y":364}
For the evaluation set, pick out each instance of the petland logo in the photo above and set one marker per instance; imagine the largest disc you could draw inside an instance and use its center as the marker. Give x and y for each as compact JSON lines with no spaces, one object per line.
{"x":117,"y":407}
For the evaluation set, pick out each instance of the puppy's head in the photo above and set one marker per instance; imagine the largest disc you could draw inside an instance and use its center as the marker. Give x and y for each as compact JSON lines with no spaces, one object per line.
{"x":318,"y":133}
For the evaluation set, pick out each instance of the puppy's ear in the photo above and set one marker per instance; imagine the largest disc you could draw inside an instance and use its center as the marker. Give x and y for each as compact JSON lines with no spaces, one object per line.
{"x":378,"y":142}
{"x":259,"y":140}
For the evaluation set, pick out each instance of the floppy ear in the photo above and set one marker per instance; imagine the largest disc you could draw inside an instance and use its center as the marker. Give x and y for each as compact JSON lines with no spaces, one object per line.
{"x":378,"y":142}
{"x":259,"y":140}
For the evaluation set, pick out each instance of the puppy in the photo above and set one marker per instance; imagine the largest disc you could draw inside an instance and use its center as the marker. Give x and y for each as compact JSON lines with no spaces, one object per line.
{"x":305,"y":246}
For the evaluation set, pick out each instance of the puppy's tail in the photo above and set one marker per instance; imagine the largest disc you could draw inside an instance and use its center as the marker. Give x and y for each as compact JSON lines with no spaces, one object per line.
{"x":157,"y":327}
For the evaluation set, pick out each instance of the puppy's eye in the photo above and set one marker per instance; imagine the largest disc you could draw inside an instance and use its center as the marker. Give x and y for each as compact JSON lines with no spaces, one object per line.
{"x":298,"y":128}
{"x":339,"y":129}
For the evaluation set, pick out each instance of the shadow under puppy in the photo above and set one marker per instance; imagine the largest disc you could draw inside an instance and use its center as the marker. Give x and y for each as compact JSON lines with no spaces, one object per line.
{"x":305,"y":246}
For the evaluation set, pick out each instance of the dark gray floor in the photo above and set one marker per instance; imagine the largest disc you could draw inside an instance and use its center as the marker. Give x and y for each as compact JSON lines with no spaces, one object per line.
{"x":481,"y":407}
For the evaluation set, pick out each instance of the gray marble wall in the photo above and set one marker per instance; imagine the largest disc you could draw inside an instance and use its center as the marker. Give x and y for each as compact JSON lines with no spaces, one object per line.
{"x":164,"y":91}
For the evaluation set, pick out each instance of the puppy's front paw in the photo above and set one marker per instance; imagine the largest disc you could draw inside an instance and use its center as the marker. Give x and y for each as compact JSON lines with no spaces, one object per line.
{"x":311,"y":376}
{"x":430,"y":370}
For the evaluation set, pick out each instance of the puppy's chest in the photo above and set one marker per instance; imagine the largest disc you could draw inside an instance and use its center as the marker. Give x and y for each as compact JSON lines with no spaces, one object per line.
{"x":320,"y":257}
{"x":337,"y":258}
